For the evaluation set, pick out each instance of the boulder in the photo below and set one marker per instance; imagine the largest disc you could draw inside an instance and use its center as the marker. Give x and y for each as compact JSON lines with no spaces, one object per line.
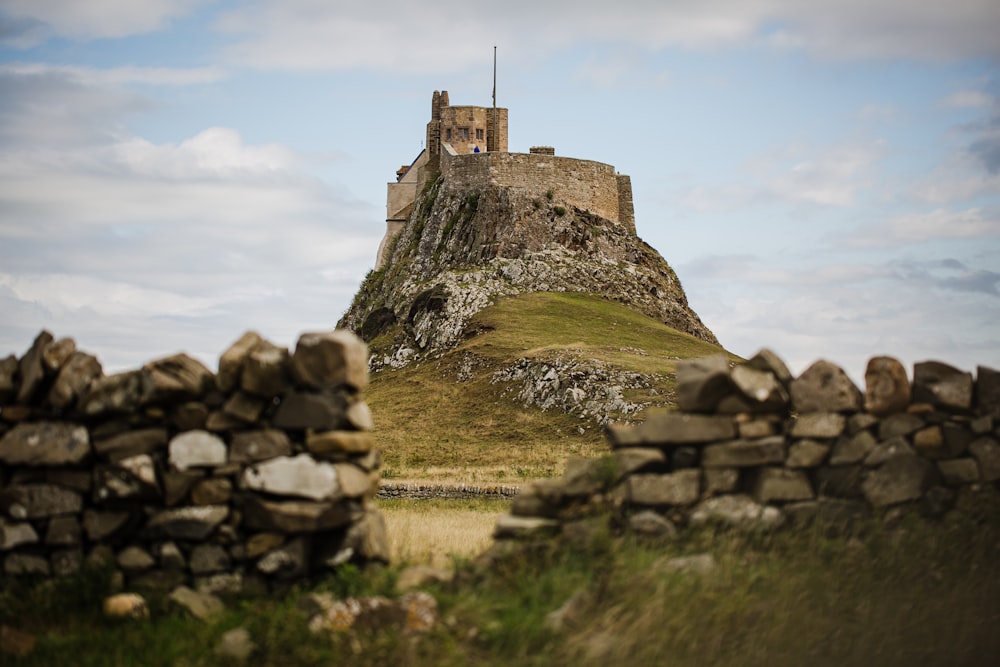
{"x":45,"y":444}
{"x":942,"y":385}
{"x":825,"y":387}
{"x":330,"y":359}
{"x":887,"y":389}
{"x":299,"y":476}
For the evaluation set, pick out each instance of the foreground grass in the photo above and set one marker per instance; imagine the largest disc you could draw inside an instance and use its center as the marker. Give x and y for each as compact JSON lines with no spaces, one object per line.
{"x":439,"y":532}
{"x":915,"y":594}
{"x":443,"y":419}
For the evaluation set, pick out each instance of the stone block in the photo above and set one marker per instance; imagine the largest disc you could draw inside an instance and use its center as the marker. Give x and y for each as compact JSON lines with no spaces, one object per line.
{"x":16,"y":533}
{"x":853,"y":449}
{"x":886,"y":450}
{"x":675,"y":428}
{"x":902,"y":478}
{"x":956,"y":472}
{"x":761,"y":389}
{"x":767,"y":360}
{"x":101,"y":525}
{"x":231,"y":361}
{"x":131,"y":443}
{"x":942,"y":386}
{"x":887,"y":389}
{"x":781,"y":484}
{"x":321,"y":411}
{"x":678,"y":488}
{"x":31,"y":370}
{"x":178,"y":377}
{"x":988,"y":391}
{"x":73,"y":379}
{"x":702,"y":383}
{"x":630,"y":460}
{"x":825,"y":387}
{"x":39,"y":501}
{"x":63,"y":531}
{"x":46,"y":443}
{"x":298,"y":476}
{"x":121,"y":393}
{"x":899,"y":424}
{"x":187,"y":523}
{"x":211,"y":491}
{"x":818,"y":425}
{"x":261,"y":445}
{"x":243,"y":407}
{"x":510,"y":526}
{"x":193,"y":449}
{"x":839,"y":482}
{"x":806,"y":453}
{"x":738,"y":511}
{"x":744,"y":453}
{"x":330,"y":359}
{"x":265,"y":370}
{"x":719,"y":480}
{"x":297,"y":516}
{"x":986,"y":451}
{"x":208,"y":559}
{"x":335,"y":443}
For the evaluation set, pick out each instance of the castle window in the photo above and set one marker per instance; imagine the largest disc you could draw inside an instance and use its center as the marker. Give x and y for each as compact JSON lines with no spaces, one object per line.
{"x":463,"y":134}
{"x":448,"y":134}
{"x":479,"y":134}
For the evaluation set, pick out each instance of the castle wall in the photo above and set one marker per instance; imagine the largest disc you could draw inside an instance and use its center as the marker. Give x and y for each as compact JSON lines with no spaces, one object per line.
{"x":585,"y":184}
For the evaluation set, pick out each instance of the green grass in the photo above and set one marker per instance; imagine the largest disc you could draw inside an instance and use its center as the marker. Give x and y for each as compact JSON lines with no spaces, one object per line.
{"x":430,"y":425}
{"x":914,"y":594}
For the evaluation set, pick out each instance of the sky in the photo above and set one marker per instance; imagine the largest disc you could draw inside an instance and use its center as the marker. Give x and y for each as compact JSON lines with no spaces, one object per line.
{"x":823,"y":175}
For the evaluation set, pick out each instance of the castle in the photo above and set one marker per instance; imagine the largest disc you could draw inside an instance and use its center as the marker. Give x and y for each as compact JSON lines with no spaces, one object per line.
{"x":467,"y":146}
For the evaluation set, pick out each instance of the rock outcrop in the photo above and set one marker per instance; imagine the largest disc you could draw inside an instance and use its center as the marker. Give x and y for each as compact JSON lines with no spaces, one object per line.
{"x":462,"y":248}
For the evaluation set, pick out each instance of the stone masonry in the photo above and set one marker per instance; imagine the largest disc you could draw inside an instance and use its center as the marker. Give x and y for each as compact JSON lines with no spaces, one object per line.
{"x":752,"y":446}
{"x":250,"y":478}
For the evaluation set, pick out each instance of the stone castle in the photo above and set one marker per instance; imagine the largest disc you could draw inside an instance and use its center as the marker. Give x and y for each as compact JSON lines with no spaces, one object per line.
{"x":467,"y":147}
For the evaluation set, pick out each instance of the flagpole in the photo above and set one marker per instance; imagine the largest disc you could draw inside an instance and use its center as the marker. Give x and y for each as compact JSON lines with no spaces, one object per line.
{"x":495,"y":129}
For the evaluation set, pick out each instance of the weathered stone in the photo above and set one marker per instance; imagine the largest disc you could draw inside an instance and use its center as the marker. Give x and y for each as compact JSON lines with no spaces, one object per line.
{"x":171,"y":557}
{"x":648,"y":522}
{"x":929,"y":442}
{"x":986,"y":451}
{"x":178,"y":484}
{"x":208,"y":559}
{"x":187,"y":523}
{"x":8,"y":377}
{"x":300,"y":476}
{"x":981,"y":425}
{"x":289,"y":561}
{"x":189,"y":416}
{"x":73,"y":379}
{"x":839,"y":482}
{"x":45,"y":444}
{"x":629,"y":460}
{"x":887,"y":389}
{"x":738,"y":511}
{"x":354,"y":482}
{"x":743,"y":453}
{"x":211,"y":491}
{"x":806,"y":454}
{"x":15,"y":533}
{"x":987,"y":391}
{"x":825,"y":387}
{"x":853,"y":449}
{"x":899,"y":424}
{"x":942,"y":385}
{"x":196,"y":449}
{"x":583,"y":477}
{"x":134,"y":559}
{"x":63,"y":531}
{"x":313,"y":410}
{"x":510,"y":526}
{"x":39,"y":501}
{"x":265,"y":370}
{"x":77,"y":480}
{"x":126,"y":605}
{"x":235,"y":645}
{"x":244,"y":407}
{"x":113,"y":483}
{"x":367,"y":537}
{"x":702,"y":383}
{"x":678,"y":488}
{"x":296,"y":516}
{"x":720,"y":480}
{"x":131,"y":443}
{"x":178,"y":377}
{"x":862,"y":421}
{"x":886,"y":450}
{"x":756,"y":428}
{"x":675,"y":428}
{"x":219,"y":422}
{"x":330,"y":359}
{"x":760,"y":388}
{"x":767,"y":360}
{"x":231,"y":361}
{"x":116,"y":394}
{"x":260,"y":543}
{"x":30,"y":368}
{"x":56,"y":354}
{"x":956,"y":472}
{"x":251,"y":446}
{"x":901,"y":478}
{"x":339,"y":442}
{"x":359,"y":416}
{"x":202,"y":606}
{"x":957,"y":438}
{"x":26,"y":564}
{"x":780,"y":484}
{"x":818,"y":425}
{"x":100,"y":525}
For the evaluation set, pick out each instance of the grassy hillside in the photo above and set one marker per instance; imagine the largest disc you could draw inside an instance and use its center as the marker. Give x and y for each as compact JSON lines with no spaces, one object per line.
{"x":444,"y":420}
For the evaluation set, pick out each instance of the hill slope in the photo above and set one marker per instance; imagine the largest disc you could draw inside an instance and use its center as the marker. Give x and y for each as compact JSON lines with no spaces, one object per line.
{"x":527,"y":387}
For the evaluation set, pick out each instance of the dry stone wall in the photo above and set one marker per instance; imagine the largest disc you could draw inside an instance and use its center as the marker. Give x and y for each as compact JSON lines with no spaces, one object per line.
{"x":751,"y":445}
{"x":245,"y":479}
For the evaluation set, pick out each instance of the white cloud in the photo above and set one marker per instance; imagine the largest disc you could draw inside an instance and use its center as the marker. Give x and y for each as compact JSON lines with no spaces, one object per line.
{"x":116,"y":76}
{"x":968,"y":99}
{"x":400,"y":36}
{"x":935,"y":225}
{"x":90,"y":19}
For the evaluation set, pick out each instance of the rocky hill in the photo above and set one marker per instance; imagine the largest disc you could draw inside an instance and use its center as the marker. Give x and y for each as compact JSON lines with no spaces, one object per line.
{"x":462,"y":248}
